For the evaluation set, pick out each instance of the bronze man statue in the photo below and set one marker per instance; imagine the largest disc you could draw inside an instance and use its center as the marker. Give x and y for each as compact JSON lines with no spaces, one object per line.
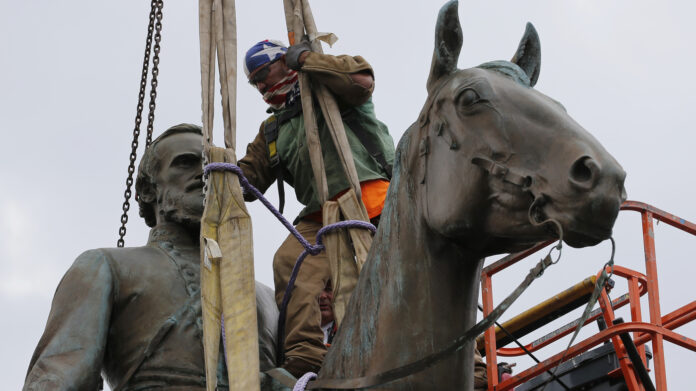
{"x":133,"y":315}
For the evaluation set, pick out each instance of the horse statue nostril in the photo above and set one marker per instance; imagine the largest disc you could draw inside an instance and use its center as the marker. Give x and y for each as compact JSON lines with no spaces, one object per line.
{"x":623,"y":195}
{"x":584,"y":172}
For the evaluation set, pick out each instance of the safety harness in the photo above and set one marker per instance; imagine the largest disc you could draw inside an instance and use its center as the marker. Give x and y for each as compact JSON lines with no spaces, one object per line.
{"x":349,"y":116}
{"x":270,"y":132}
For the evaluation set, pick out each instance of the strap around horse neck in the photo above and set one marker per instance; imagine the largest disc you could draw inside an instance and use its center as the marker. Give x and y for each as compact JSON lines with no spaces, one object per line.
{"x":432,"y":359}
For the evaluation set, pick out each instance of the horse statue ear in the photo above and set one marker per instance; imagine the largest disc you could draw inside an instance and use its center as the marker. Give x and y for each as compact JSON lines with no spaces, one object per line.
{"x":448,"y":43}
{"x":528,"y":56}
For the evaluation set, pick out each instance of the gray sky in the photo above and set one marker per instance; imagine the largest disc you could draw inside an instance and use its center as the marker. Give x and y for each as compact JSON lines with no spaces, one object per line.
{"x":69,"y":73}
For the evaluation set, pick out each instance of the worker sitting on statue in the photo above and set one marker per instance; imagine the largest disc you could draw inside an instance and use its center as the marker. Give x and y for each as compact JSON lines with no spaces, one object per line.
{"x":280,"y":153}
{"x":328,"y":320}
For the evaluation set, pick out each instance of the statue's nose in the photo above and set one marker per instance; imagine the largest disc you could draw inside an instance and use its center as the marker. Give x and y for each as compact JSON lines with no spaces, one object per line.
{"x":586,"y":175}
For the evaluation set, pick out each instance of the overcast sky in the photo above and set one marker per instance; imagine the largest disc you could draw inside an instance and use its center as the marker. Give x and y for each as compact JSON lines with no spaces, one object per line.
{"x":69,"y":74}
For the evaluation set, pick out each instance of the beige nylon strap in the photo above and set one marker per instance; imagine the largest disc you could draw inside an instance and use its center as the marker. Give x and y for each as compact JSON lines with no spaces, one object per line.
{"x":227,"y":279}
{"x":293,"y":17}
{"x":332,"y":115}
{"x":352,"y":207}
{"x":226,"y":38}
{"x":207,"y":49}
{"x":316,"y":157}
{"x":218,"y":38}
{"x":329,"y":107}
{"x":227,"y":264}
{"x":344,"y":272}
{"x":344,"y":269}
{"x":345,"y":263}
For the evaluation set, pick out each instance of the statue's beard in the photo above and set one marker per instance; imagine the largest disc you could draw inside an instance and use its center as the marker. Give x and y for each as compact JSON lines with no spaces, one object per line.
{"x":184,"y":208}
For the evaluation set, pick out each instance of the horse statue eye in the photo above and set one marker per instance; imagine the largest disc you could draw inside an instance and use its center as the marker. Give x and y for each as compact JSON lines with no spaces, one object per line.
{"x":468,"y":97}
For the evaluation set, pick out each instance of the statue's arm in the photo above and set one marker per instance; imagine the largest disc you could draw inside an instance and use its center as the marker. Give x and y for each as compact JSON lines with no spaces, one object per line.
{"x":70,"y":352}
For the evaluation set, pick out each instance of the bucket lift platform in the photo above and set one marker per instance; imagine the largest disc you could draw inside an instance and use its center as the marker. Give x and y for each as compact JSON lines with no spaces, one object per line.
{"x":593,"y":363}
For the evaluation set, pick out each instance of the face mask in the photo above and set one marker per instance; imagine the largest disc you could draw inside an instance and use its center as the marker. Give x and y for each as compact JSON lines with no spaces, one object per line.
{"x":277,"y":95}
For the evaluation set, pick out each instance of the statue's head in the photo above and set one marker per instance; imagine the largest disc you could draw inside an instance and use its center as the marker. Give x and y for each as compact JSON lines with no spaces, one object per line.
{"x":169,"y":185}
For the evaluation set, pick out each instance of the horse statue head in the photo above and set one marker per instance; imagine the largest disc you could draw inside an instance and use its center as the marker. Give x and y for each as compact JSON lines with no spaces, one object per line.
{"x":495,"y":153}
{"x":490,"y":166}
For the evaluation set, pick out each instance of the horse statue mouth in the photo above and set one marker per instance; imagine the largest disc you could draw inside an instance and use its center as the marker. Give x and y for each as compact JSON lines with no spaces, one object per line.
{"x":588,"y":238}
{"x":583,"y":226}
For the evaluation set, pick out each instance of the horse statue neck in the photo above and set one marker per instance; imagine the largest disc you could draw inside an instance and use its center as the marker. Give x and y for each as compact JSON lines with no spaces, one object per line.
{"x":402,"y":302}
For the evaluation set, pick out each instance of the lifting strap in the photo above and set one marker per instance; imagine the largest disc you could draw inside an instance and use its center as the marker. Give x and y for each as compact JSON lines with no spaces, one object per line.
{"x":227,"y":268}
{"x":344,"y":265}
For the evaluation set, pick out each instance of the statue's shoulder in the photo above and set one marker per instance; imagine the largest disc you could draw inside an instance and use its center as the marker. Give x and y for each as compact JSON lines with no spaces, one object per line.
{"x":128,"y":253}
{"x":111,"y":257}
{"x":114,"y":264}
{"x":89,"y":268}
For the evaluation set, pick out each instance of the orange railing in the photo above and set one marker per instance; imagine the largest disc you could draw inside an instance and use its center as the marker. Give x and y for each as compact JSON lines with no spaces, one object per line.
{"x":657,"y":330}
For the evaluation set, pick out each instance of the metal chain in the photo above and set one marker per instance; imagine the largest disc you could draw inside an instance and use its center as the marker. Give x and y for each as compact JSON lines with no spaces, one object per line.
{"x":138,"y":120}
{"x":155,"y":72}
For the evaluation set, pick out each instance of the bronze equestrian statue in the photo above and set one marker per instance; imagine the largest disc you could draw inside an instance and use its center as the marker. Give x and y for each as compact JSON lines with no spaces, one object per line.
{"x":487,"y":166}
{"x":133,"y":315}
{"x":487,"y":162}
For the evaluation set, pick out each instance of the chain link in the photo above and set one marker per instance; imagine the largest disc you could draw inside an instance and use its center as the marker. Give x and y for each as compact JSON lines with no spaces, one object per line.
{"x":155,"y":13}
{"x":155,"y":72}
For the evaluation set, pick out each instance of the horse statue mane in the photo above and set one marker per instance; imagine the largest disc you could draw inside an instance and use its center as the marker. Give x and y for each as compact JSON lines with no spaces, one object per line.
{"x":490,"y":166}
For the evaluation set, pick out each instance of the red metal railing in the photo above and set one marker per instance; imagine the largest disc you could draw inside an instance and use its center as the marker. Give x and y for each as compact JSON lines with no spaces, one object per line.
{"x":659,"y":329}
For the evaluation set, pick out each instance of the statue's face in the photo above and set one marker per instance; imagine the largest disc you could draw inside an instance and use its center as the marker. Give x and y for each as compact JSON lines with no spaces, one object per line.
{"x":179,"y":180}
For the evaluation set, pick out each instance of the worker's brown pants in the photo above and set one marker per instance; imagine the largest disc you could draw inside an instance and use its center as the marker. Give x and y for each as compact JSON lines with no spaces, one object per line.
{"x":304,"y":346}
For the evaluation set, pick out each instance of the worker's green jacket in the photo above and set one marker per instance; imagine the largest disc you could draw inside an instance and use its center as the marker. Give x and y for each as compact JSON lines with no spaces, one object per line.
{"x":353,"y":100}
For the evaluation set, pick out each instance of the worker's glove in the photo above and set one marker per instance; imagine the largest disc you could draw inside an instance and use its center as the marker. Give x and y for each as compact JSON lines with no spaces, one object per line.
{"x":505,"y":371}
{"x":292,"y":57}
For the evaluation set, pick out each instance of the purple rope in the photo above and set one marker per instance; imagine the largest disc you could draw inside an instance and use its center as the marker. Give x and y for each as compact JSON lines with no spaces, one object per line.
{"x":224,"y":342}
{"x":248,"y":187}
{"x":309,"y":248}
{"x":302,"y":381}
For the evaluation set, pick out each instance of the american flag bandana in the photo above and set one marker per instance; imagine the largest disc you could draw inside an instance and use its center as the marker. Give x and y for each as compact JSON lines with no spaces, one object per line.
{"x":284,"y":92}
{"x":262,"y":53}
